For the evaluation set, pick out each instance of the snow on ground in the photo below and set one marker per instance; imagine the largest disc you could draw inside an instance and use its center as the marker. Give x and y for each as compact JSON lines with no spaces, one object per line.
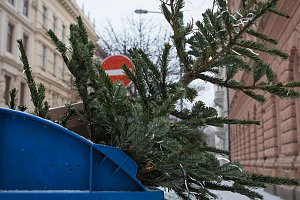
{"x":224,"y":195}
{"x":229,"y":195}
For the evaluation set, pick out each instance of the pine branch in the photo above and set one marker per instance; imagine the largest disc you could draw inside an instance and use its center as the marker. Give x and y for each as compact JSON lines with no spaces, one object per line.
{"x":219,"y":121}
{"x":61,"y":47}
{"x":13,"y":99}
{"x":214,"y":150}
{"x":71,"y":112}
{"x":175,"y":18}
{"x":22,"y":108}
{"x":262,"y":47}
{"x":137,"y":77}
{"x":291,"y":84}
{"x":261,"y":36}
{"x":37,"y":93}
{"x":258,"y":97}
{"x":280,"y":90}
{"x":232,"y":40}
{"x":272,"y":180}
{"x":164,"y":70}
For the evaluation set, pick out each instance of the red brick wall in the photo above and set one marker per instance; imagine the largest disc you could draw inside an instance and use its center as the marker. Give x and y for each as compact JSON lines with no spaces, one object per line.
{"x":272,"y":147}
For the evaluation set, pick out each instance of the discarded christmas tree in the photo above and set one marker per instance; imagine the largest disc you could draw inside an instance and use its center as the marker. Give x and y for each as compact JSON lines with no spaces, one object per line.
{"x":175,"y":155}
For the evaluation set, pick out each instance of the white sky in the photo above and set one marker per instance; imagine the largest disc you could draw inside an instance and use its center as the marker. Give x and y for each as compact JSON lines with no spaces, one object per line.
{"x":116,"y":10}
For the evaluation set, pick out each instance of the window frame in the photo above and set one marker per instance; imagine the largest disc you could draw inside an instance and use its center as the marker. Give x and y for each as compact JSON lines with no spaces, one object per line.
{"x":63,"y":71}
{"x":25,"y":9}
{"x":44,"y":16}
{"x":11,"y":2}
{"x":43,"y":57}
{"x":63,"y":33}
{"x":54,"y":64}
{"x":25,"y":40}
{"x":10,"y":35}
{"x":54,"y":23}
{"x":22,"y":93}
{"x":8,"y":83}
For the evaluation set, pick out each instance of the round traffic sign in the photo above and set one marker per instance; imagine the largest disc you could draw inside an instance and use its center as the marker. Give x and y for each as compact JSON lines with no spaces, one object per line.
{"x":113,"y":67}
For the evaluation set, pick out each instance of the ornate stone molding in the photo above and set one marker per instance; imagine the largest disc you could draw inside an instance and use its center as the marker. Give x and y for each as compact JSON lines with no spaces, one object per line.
{"x":74,"y":10}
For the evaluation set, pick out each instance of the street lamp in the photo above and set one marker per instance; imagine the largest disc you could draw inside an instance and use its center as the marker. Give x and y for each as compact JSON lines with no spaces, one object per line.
{"x":142,"y":11}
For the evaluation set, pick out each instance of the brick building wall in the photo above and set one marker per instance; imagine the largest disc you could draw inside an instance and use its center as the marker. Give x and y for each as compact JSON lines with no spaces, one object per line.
{"x":271,"y":148}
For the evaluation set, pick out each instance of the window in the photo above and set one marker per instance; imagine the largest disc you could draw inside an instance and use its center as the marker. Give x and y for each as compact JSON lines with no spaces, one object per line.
{"x":54,"y":23}
{"x":7,"y":88}
{"x":63,"y":71}
{"x":22,"y":93}
{"x":25,"y":41}
{"x":54,"y":63}
{"x":63,"y":33}
{"x":54,"y":99}
{"x":10,"y":37}
{"x":25,"y":7}
{"x":44,"y":17}
{"x":43,"y":57}
{"x":12,"y":2}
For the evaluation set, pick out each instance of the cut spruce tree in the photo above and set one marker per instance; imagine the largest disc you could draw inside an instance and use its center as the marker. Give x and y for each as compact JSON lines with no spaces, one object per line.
{"x":174,"y":155}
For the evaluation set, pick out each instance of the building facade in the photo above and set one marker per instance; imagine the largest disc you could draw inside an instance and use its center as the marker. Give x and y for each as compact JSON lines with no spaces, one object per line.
{"x":221,"y":105}
{"x":29,"y":20}
{"x":271,"y":148}
{"x":213,"y":137}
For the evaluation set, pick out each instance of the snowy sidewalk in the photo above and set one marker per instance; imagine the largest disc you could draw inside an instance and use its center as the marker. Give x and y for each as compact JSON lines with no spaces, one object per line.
{"x":230,"y":196}
{"x":223,"y":195}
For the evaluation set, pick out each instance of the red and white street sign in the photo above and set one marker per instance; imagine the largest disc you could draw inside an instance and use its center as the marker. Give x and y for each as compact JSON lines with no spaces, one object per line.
{"x":113,"y":67}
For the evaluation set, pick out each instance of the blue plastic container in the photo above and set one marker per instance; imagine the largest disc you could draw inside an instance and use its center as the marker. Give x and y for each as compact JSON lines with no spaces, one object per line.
{"x":42,"y":160}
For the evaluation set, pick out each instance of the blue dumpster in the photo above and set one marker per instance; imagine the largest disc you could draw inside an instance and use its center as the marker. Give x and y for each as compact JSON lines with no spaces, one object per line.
{"x":42,"y":160}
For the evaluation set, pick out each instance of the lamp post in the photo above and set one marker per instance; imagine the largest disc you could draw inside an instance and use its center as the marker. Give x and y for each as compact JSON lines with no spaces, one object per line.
{"x":142,"y":11}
